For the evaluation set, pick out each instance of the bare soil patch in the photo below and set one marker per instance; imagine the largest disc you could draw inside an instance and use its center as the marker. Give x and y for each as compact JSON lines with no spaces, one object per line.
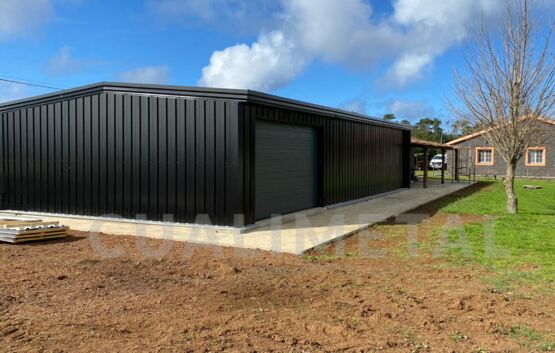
{"x":62,"y":296}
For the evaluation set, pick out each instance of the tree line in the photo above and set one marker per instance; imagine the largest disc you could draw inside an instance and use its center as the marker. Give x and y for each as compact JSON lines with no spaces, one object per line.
{"x":432,"y":129}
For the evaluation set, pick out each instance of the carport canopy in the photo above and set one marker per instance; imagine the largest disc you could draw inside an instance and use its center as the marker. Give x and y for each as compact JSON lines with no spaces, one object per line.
{"x":414,"y":142}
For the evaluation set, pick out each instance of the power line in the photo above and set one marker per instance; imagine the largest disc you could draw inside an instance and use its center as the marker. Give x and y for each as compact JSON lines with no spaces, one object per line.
{"x":30,"y":84}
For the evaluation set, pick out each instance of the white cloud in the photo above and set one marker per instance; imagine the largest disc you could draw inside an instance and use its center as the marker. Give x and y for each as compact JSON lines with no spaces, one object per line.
{"x":431,"y":27}
{"x":65,"y":63}
{"x":454,"y":14}
{"x":409,"y":67}
{"x":411,"y":109}
{"x":339,"y":31}
{"x":11,"y":91}
{"x":20,"y":18}
{"x":348,"y":33}
{"x":357,"y":105}
{"x":147,"y":74}
{"x":269,"y":63}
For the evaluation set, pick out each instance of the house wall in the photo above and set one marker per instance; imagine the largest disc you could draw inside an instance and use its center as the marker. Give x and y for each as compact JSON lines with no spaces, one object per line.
{"x":126,"y":155}
{"x":357,"y":159}
{"x":467,"y":152}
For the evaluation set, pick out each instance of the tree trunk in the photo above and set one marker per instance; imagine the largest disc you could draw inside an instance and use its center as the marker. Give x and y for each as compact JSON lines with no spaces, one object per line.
{"x":512,"y":201}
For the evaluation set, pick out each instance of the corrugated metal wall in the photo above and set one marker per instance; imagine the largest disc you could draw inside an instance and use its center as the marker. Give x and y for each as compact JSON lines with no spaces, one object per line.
{"x":174,"y":158}
{"x":125,"y":155}
{"x":357,"y":159}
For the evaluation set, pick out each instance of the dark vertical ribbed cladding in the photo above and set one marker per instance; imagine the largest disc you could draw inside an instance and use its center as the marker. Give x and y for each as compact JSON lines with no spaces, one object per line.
{"x":145,"y":165}
{"x":80,"y":155}
{"x":30,"y":143}
{"x":127,"y":177}
{"x":234,"y":179}
{"x":210,"y":157}
{"x":220,"y":148}
{"x":10,"y":182}
{"x":137,"y":151}
{"x":23,"y":158}
{"x":248,"y":158}
{"x":162,"y":153}
{"x":87,"y":154}
{"x":130,"y":154}
{"x":95,"y":155}
{"x":228,"y":162}
{"x":200,"y":163}
{"x":181,"y":161}
{"x":17,"y":157}
{"x":153,"y":128}
{"x":2,"y":162}
{"x":119,"y":185}
{"x":43,"y":184}
{"x":155,"y":131}
{"x":406,"y":159}
{"x":8,"y":135}
{"x":124,"y":154}
{"x":103,"y":154}
{"x":359,"y":159}
{"x":51,"y":162}
{"x":190,"y":139}
{"x":171,"y":162}
{"x":72,"y":148}
{"x":58,"y":165}
{"x":110,"y":153}
{"x":66,"y":167}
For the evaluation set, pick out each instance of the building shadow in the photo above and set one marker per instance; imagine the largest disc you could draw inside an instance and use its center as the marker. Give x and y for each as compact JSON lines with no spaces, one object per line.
{"x":321,"y":220}
{"x":430,"y":209}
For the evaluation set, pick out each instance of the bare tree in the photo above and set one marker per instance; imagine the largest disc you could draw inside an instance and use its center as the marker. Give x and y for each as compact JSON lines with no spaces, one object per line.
{"x":509,"y":85}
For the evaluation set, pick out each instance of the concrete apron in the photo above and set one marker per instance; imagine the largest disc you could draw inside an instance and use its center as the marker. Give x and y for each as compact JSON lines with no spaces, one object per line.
{"x":294,"y":234}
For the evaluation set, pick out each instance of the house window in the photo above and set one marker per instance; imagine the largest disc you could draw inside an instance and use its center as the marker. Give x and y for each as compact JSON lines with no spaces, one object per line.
{"x":535,"y":156}
{"x":484,"y":156}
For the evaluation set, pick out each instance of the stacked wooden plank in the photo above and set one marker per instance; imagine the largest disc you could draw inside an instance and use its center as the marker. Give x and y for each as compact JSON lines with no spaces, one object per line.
{"x":20,"y":230}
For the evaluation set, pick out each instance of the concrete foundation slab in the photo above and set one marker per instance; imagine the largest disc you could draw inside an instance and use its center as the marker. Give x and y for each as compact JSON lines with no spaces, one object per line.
{"x":293,"y":234}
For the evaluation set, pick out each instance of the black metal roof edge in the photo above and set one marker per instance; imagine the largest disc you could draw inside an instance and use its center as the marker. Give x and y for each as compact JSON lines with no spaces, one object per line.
{"x":188,"y":91}
{"x":277,"y":101}
{"x":222,"y":93}
{"x":128,"y":87}
{"x":72,"y":92}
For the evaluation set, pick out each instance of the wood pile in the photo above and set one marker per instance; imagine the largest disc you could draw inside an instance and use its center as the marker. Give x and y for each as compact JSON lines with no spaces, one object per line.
{"x":20,"y":230}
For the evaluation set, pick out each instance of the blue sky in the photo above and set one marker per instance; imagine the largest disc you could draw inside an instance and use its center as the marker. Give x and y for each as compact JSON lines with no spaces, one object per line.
{"x":371,"y":56}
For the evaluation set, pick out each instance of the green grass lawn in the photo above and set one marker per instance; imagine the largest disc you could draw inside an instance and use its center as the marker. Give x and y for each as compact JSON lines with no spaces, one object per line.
{"x":491,"y":200}
{"x":519,"y":248}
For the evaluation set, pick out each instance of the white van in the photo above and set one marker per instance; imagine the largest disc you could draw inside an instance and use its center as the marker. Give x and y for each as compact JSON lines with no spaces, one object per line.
{"x":435,"y":163}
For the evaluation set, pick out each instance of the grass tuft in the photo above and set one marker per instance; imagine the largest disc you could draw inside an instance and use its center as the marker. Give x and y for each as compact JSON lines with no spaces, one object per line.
{"x":457,"y":336}
{"x":547,"y":347}
{"x":320,"y":258}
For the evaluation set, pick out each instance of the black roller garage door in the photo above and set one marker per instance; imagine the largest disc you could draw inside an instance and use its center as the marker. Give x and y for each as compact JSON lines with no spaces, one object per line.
{"x":286,"y":168}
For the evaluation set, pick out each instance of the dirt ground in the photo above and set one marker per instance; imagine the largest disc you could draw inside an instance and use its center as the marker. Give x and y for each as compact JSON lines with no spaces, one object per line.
{"x":63,"y":296}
